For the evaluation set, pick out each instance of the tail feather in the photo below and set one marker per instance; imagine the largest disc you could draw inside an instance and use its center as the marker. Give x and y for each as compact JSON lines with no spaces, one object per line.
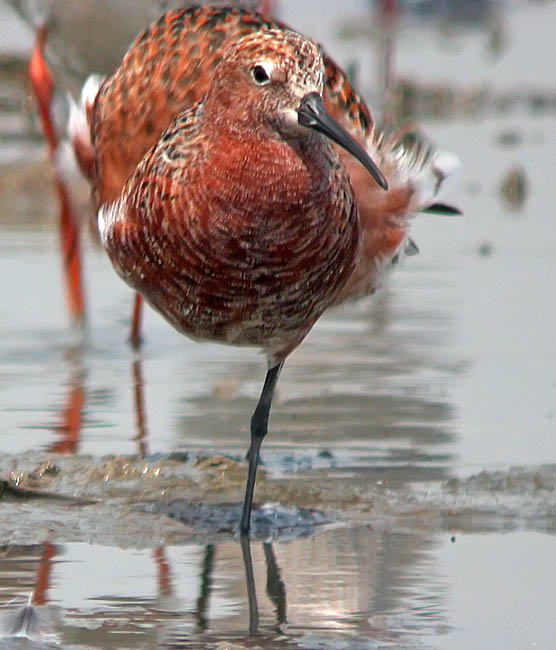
{"x":444,"y":209}
{"x":416,"y":175}
{"x":423,"y":171}
{"x":411,"y":247}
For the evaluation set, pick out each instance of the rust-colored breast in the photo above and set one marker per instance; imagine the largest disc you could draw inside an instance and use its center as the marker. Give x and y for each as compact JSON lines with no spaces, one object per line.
{"x":169,"y":67}
{"x":247,"y":254}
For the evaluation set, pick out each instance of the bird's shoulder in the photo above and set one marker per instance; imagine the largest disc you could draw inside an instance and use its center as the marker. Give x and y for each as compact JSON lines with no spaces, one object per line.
{"x":175,"y":151}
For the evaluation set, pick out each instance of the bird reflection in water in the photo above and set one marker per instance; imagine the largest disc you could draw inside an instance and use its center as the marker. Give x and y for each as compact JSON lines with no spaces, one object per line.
{"x":73,"y":410}
{"x":39,"y":621}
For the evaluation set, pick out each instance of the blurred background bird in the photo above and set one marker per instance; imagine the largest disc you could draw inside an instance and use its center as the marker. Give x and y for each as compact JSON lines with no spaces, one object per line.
{"x":74,"y":40}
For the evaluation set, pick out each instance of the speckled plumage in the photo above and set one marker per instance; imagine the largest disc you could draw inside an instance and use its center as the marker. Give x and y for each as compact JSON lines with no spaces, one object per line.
{"x":237,"y":227}
{"x":221,"y":201}
{"x":169,"y":67}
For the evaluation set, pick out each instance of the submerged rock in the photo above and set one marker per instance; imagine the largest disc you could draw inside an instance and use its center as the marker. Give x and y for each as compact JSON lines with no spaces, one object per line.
{"x":268,"y":520}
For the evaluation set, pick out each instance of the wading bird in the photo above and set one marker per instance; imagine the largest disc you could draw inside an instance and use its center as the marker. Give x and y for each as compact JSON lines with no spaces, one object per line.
{"x":220,"y":196}
{"x":81,"y":37}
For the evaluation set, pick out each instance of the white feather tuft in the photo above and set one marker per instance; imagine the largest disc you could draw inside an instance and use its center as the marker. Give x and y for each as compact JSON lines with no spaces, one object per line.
{"x":419,"y":166}
{"x":78,"y":123}
{"x":67,"y":167}
{"x":107,"y":216}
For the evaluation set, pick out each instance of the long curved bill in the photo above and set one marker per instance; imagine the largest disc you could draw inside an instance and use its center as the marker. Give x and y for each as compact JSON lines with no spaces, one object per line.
{"x":312,"y":114}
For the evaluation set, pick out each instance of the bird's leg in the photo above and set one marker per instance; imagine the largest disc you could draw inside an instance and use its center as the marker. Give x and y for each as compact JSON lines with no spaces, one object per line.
{"x":42,"y":84}
{"x":265,"y":8}
{"x":135,"y":336}
{"x":259,"y":429}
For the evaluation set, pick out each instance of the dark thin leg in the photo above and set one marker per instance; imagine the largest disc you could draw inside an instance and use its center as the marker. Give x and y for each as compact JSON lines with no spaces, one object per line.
{"x":259,"y":429}
{"x":250,"y":583}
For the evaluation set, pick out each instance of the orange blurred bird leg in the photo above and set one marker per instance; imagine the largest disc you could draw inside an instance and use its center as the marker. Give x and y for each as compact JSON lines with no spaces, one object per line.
{"x":259,"y":429}
{"x":42,"y":84}
{"x":386,"y":58}
{"x":265,"y":9}
{"x":135,"y":336}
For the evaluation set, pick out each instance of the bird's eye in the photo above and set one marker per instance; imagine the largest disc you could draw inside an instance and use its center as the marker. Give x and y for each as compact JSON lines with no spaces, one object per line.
{"x":260,"y":75}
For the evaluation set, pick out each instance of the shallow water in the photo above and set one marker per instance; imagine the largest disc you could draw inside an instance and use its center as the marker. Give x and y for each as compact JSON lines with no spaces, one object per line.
{"x":379,"y":589}
{"x":422,"y":422}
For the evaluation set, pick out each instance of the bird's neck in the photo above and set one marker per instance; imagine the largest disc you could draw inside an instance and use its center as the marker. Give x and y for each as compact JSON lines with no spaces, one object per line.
{"x":254,"y":169}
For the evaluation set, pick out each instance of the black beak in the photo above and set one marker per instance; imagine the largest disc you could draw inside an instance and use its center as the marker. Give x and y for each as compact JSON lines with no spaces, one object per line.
{"x":312,"y":114}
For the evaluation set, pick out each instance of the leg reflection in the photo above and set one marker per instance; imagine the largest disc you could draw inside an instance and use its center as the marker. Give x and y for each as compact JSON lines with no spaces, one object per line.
{"x":250,"y":583}
{"x":72,"y":418}
{"x":44,"y":573}
{"x":165,"y":587}
{"x":275,"y":587}
{"x":205,"y":588}
{"x":32,"y":621}
{"x":140,"y":412}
